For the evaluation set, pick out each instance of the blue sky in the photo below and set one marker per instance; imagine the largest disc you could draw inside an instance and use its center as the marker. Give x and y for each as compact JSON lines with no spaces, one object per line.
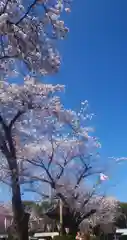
{"x":95,"y":68}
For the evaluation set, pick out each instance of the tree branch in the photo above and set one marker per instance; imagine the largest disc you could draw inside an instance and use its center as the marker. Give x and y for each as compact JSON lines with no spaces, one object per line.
{"x":5,"y":7}
{"x":59,"y":175}
{"x":52,"y":155}
{"x":6,"y":57}
{"x":52,"y":183}
{"x":3,"y":123}
{"x":84,"y":216}
{"x":19,"y":113}
{"x":38,"y":192}
{"x":49,"y":175}
{"x":34,"y":178}
{"x":27,"y":12}
{"x":82,"y":175}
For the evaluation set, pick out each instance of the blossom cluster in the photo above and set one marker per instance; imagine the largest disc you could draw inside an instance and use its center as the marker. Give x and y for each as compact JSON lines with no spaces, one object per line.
{"x":27,"y":35}
{"x":43,"y":130}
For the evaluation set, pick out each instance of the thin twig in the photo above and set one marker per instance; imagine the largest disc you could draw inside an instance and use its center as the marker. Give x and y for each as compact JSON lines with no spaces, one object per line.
{"x":19,"y":113}
{"x":5,"y":7}
{"x":27,"y":12}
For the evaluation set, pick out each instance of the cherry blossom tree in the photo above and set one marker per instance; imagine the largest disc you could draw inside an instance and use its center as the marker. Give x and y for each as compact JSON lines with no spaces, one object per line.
{"x":107,"y":211}
{"x":67,"y":146}
{"x":28,"y":33}
{"x":33,"y":122}
{"x":25,"y":111}
{"x":66,"y":159}
{"x":84,"y":207}
{"x":42,"y":144}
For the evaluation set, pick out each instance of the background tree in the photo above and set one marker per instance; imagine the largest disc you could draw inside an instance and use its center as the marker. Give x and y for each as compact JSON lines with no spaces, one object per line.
{"x":38,"y":208}
{"x":67,"y":160}
{"x":105,"y":217}
{"x":86,"y":211}
{"x":28,"y":32}
{"x":121,"y":221}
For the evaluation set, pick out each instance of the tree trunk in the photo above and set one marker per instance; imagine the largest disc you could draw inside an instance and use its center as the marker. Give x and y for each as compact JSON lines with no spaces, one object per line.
{"x":73,"y":227}
{"x":21,"y":218}
{"x":22,"y":228}
{"x":73,"y":230}
{"x":19,"y":231}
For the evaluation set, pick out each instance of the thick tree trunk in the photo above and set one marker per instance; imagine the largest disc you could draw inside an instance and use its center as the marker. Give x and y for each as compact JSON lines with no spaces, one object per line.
{"x":21,"y":221}
{"x":22,"y":228}
{"x":73,"y":226}
{"x":19,"y":231}
{"x":73,"y":229}
{"x":21,"y":218}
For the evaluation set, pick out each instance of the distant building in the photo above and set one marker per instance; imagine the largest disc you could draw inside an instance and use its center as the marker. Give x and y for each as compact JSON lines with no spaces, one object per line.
{"x":121,"y":231}
{"x":5,"y":218}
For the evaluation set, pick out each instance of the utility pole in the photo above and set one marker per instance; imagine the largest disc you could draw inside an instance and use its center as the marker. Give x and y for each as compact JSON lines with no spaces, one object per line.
{"x":61,"y":216}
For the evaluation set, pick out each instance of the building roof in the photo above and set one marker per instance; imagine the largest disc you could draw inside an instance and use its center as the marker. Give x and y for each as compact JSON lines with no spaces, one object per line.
{"x":122,"y":231}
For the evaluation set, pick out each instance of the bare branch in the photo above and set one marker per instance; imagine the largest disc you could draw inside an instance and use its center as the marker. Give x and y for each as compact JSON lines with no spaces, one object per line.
{"x":52,"y":155}
{"x":46,"y":170}
{"x":32,"y":178}
{"x":2,"y":122}
{"x":84,"y":216}
{"x":43,"y":195}
{"x":27,"y":12}
{"x":82,"y":175}
{"x":5,"y":7}
{"x":19,"y":113}
{"x":7,"y":57}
